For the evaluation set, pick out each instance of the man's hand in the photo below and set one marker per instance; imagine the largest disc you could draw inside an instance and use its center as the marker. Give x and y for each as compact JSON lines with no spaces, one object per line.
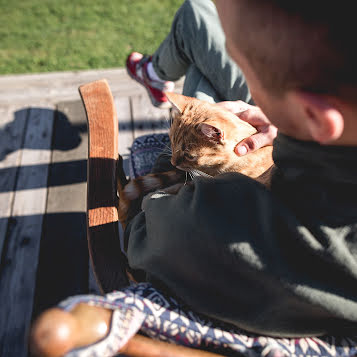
{"x":254,"y":116}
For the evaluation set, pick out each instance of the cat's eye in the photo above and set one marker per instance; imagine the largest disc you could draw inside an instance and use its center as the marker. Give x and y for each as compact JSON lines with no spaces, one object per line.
{"x":189,"y":157}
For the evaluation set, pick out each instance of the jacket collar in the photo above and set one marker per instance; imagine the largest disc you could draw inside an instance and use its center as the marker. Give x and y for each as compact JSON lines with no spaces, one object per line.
{"x":297,"y":159}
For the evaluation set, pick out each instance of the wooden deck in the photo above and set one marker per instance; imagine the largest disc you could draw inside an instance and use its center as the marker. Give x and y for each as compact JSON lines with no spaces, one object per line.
{"x":43,"y":151}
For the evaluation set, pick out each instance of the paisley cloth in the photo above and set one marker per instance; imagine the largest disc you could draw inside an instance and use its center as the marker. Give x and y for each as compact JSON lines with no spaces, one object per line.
{"x":142,"y":307}
{"x":145,"y":151}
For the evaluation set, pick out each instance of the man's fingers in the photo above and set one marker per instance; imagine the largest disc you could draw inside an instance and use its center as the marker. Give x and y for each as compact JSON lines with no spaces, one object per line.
{"x":254,"y":117}
{"x":235,"y":106}
{"x":253,"y":143}
{"x":241,"y":149}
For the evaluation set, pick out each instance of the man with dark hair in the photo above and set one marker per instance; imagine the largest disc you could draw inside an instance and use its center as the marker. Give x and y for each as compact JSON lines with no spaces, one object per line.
{"x":280,"y":262}
{"x":302,"y":59}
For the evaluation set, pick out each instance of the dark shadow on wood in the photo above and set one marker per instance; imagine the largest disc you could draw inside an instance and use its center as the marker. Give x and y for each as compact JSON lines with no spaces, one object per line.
{"x":68,"y":131}
{"x":71,"y":138}
{"x":144,"y":124}
{"x":62,"y":271}
{"x":63,"y":261}
{"x":63,"y":173}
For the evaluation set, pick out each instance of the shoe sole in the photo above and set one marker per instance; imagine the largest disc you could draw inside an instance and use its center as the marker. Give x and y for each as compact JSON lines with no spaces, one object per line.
{"x":154,"y":102}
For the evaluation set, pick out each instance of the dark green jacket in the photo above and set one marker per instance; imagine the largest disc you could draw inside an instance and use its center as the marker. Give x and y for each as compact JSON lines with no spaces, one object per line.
{"x":281,"y":262}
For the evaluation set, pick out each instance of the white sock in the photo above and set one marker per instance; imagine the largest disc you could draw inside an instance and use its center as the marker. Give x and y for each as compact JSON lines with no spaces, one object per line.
{"x":152,"y":74}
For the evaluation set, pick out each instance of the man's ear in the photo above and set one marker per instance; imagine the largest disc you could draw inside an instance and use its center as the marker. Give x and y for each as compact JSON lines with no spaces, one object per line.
{"x":324,"y":120}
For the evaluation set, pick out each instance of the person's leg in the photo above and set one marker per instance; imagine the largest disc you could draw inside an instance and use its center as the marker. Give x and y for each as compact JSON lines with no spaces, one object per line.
{"x":198,"y":86}
{"x":196,"y":37}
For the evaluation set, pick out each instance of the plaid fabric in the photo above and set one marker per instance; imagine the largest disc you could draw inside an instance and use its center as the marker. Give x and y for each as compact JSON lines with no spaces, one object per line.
{"x":143,"y":308}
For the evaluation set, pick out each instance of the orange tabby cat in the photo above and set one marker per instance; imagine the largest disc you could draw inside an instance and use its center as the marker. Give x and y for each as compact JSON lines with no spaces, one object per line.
{"x":203,"y":137}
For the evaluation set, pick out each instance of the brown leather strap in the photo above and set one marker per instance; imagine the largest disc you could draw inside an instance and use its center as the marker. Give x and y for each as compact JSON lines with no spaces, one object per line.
{"x":102,"y":215}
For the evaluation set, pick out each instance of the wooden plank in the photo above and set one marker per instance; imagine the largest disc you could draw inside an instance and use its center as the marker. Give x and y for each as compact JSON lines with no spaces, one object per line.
{"x":147,"y":118}
{"x":63,"y":261}
{"x":63,"y":85}
{"x":12,"y":128}
{"x":19,"y":264}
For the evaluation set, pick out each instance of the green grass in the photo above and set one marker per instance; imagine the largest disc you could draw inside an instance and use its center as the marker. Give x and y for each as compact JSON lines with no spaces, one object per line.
{"x":58,"y":35}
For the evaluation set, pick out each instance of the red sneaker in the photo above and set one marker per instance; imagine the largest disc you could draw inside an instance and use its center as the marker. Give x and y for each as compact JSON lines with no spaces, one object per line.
{"x":136,"y":65}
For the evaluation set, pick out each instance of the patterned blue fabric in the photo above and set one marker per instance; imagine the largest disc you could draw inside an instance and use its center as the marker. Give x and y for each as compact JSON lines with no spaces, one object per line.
{"x":144,"y":152}
{"x":144,"y":308}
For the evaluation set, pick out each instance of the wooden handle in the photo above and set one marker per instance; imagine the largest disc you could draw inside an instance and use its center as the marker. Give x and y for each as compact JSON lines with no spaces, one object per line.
{"x":56,"y":332}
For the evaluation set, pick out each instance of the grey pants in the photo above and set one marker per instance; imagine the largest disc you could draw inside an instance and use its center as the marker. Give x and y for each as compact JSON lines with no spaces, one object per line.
{"x":195,"y":47}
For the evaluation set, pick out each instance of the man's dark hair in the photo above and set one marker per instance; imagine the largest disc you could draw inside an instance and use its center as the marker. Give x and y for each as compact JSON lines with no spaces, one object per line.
{"x":308,"y":45}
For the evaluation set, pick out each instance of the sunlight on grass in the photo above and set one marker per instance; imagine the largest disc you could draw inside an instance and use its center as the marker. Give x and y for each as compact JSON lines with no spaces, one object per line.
{"x":57,"y":35}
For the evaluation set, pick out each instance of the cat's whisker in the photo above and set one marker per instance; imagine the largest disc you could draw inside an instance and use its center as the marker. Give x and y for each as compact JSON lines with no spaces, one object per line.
{"x":166,"y":152}
{"x":168,"y":148}
{"x":167,"y":117}
{"x":165,"y":123}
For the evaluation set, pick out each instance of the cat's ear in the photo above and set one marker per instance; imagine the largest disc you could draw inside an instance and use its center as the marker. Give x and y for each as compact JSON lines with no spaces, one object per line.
{"x":178,"y":102}
{"x":212,"y":132}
